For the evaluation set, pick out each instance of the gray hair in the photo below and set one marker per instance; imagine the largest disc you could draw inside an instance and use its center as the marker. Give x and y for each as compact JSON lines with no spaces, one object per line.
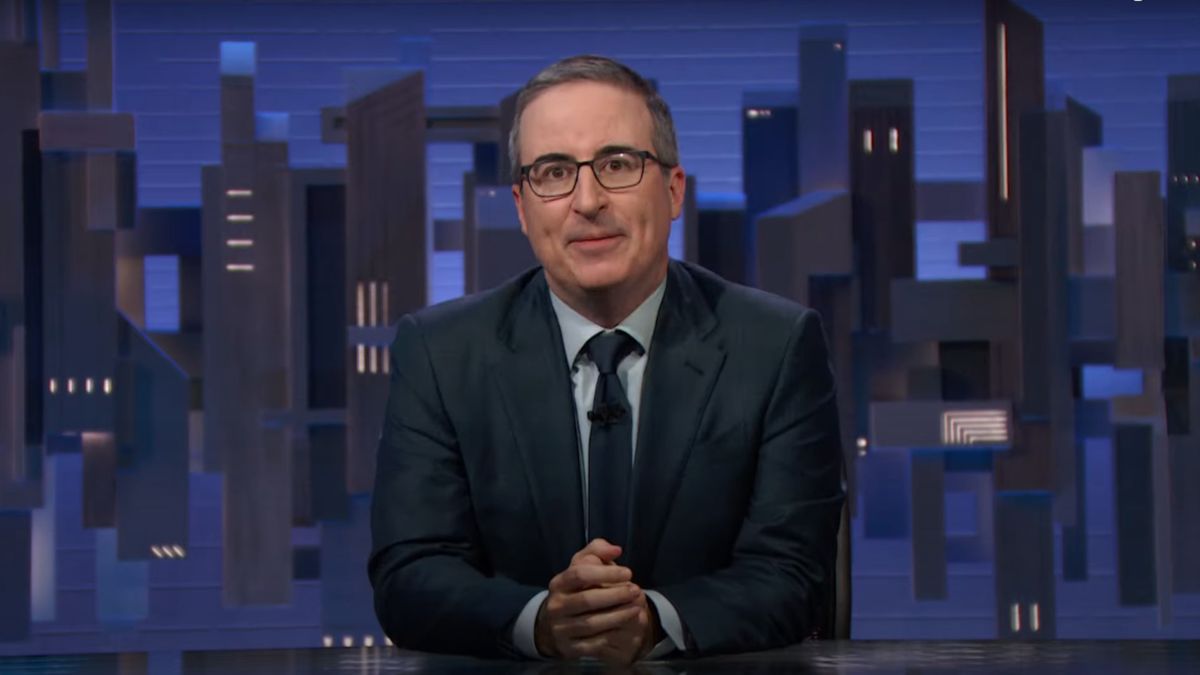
{"x":591,"y":68}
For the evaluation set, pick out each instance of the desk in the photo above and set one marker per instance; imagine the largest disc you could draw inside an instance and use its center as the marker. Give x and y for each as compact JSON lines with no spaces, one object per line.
{"x":844,"y":658}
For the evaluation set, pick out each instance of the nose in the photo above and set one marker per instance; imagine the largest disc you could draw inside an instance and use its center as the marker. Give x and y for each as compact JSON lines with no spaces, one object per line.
{"x":589,"y":198}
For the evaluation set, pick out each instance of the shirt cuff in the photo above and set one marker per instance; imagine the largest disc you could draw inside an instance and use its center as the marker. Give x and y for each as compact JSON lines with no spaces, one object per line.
{"x":522,"y":635}
{"x":671,"y":624}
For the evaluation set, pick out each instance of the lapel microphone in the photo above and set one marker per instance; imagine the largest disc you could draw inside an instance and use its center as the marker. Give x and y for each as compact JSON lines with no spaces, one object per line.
{"x":606,"y":415}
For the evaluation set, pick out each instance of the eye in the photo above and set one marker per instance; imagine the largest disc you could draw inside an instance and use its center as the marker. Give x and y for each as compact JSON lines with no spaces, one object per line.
{"x":553,"y":171}
{"x":617,"y":163}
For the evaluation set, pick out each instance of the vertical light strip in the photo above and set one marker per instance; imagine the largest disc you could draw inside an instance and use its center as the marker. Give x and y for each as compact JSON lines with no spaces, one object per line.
{"x":361,"y":306}
{"x":868,"y":141}
{"x":373,"y":297}
{"x":387,"y":360}
{"x":108,"y":386}
{"x":1002,"y":83}
{"x":362,"y":358}
{"x":894,"y":140}
{"x":374,"y":359}
{"x":53,"y":386}
{"x":89,"y":385}
{"x":70,"y":385}
{"x":384,"y":304}
{"x":1035,"y":618}
{"x":1015,"y":615}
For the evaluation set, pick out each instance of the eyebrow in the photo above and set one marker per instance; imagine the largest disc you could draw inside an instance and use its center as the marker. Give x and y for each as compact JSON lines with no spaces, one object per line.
{"x":606,"y":150}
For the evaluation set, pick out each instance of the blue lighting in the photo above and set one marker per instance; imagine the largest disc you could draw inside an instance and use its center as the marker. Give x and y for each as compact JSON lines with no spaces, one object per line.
{"x":238,"y":58}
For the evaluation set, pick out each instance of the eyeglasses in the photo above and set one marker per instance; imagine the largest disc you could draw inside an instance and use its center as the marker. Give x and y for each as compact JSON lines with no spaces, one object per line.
{"x":613,"y":170}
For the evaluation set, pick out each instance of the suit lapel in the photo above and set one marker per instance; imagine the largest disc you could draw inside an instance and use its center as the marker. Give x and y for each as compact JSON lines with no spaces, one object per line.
{"x":678,"y":382}
{"x":531,"y":373}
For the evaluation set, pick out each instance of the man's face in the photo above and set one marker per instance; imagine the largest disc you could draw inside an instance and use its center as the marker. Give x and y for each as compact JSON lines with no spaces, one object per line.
{"x":596,"y":239}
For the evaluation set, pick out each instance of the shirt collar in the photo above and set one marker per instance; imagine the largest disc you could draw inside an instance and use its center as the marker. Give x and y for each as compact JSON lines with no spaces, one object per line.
{"x":577,"y":329}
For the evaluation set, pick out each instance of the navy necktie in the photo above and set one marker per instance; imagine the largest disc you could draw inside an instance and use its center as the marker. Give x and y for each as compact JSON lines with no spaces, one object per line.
{"x":610,"y":445}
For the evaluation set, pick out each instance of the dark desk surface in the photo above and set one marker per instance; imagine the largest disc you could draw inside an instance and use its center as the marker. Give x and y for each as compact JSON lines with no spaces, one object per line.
{"x":1091,"y":657}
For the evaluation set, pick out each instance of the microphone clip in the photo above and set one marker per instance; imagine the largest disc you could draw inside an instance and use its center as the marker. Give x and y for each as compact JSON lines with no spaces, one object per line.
{"x":606,"y":415}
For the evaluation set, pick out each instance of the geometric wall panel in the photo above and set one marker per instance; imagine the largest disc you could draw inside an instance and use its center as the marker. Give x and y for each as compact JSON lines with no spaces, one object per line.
{"x":941,"y":424}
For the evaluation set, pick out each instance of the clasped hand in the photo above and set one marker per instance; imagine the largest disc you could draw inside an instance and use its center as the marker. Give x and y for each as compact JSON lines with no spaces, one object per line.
{"x":595,"y":610}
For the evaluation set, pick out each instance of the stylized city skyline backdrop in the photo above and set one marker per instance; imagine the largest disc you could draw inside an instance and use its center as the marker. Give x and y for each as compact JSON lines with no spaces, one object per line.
{"x":212,"y":213}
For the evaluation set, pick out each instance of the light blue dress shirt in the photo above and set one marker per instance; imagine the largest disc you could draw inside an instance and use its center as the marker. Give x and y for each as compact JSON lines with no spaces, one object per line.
{"x":576,"y":331}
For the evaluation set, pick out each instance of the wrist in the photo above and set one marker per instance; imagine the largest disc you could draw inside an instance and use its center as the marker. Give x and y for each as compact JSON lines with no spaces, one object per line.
{"x":543,"y":640}
{"x":654,"y":632}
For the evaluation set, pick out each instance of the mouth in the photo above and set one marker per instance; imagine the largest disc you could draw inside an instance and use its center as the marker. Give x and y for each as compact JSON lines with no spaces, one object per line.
{"x":595,"y":243}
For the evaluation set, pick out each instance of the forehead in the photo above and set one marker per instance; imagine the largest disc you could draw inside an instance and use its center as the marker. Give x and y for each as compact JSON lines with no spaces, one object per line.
{"x":578,"y":118}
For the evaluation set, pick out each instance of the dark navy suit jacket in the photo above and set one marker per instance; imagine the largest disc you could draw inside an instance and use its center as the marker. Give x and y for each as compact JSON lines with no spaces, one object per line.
{"x":736,"y":493}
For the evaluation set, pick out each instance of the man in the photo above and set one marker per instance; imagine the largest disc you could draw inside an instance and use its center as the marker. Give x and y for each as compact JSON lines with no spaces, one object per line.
{"x":613,"y":456}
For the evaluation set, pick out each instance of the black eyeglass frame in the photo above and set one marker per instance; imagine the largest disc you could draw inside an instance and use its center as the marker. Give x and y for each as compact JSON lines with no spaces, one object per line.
{"x":642,"y":154}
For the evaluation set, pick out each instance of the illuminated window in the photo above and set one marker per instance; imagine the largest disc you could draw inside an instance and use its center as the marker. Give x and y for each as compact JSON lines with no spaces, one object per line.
{"x":239,"y":243}
{"x":361,"y":310}
{"x":53,"y":386}
{"x":362,"y":358}
{"x":1015,"y":617}
{"x":327,"y":640}
{"x":160,"y":275}
{"x":89,"y":385}
{"x":70,"y":385}
{"x":347,"y":641}
{"x":108,"y":385}
{"x":240,"y":218}
{"x":372,"y":294}
{"x":239,"y":193}
{"x":868,"y":141}
{"x":1035,"y":618}
{"x":374,"y":359}
{"x":368,"y":640}
{"x":239,"y":267}
{"x":894,"y":140}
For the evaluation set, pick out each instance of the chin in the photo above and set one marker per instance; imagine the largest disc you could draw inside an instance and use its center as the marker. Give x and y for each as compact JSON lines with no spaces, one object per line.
{"x":598,"y":277}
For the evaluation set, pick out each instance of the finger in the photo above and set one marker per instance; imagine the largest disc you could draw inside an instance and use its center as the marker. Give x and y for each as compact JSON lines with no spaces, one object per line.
{"x":599,"y":548}
{"x":582,"y":577}
{"x":595,"y":623}
{"x":596,"y":599}
{"x":582,"y":558}
{"x":619,"y":646}
{"x":594,"y":646}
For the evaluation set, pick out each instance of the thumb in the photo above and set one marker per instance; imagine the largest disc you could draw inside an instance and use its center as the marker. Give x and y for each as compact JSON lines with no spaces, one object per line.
{"x":597,"y":552}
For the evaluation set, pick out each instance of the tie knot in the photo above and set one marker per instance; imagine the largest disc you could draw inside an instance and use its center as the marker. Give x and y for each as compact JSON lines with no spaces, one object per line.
{"x":607,"y":349}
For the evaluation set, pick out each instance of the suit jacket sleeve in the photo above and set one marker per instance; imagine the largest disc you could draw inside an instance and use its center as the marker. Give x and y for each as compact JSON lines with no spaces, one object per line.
{"x":432,"y":592}
{"x":770,"y":594}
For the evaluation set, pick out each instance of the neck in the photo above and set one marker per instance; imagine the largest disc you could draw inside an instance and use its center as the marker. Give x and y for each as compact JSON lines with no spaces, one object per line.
{"x":608,"y":307}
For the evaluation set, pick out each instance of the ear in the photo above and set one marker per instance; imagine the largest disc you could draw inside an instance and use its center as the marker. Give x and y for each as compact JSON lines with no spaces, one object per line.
{"x":676,"y":185}
{"x":518,"y":197}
